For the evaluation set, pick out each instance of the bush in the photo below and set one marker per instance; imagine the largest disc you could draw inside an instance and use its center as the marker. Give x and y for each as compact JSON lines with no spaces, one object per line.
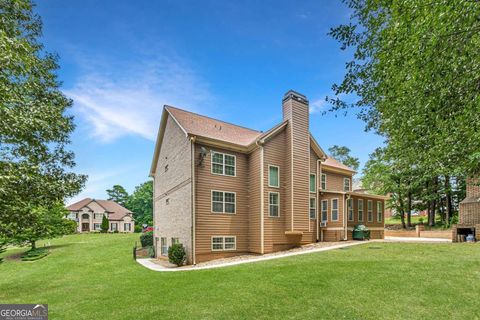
{"x":34,"y":254}
{"x":69,"y":226}
{"x":177,"y":254}
{"x":151,"y":252}
{"x":104,"y":225}
{"x":146,"y":239}
{"x":138,"y":228}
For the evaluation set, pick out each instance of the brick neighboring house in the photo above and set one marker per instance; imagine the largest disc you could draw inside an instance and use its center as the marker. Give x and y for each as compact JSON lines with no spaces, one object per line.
{"x":224,"y":190}
{"x":88,"y":213}
{"x":469,"y":212}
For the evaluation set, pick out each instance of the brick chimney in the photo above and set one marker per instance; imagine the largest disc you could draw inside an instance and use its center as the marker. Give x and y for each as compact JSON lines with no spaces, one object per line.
{"x":473,"y":189}
{"x":296,"y":111}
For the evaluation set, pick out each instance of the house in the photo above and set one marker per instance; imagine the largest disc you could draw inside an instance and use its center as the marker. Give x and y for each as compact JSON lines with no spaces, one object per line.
{"x":88,"y":213}
{"x":224,"y":190}
{"x":469,"y":212}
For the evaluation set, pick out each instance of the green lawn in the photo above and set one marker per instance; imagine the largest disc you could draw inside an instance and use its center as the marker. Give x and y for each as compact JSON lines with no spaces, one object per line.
{"x":94,"y":277}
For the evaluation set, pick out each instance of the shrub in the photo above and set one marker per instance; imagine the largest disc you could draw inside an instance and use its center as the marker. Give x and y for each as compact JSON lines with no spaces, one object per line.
{"x":34,"y":254}
{"x":138,"y":228}
{"x":420,"y":221}
{"x":104,"y":225}
{"x":151,"y":252}
{"x":146,"y":239}
{"x":177,"y":254}
{"x":69,"y":226}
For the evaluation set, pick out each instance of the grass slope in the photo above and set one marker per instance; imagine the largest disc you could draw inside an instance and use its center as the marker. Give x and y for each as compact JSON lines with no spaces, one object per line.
{"x":94,"y":277}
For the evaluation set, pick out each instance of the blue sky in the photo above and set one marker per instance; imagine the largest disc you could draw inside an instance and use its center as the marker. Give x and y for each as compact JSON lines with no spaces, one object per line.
{"x":121,"y":61}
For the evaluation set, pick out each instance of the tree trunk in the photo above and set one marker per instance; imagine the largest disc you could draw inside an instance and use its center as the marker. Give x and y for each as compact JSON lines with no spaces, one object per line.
{"x":409,"y":209}
{"x":434,"y":209}
{"x":33,"y":243}
{"x":402,"y":210}
{"x":448,"y":202}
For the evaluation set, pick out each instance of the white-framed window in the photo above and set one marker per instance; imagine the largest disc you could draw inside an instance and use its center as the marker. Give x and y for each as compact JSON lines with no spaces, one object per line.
{"x":313,"y":208}
{"x":223,"y":164}
{"x":127,"y":227}
{"x":98,"y":216}
{"x":324,"y":210}
{"x":113,"y":226}
{"x":324,"y":181}
{"x":346,"y":184}
{"x":334,"y":209}
{"x":350,"y":209}
{"x":379,"y":211}
{"x":274,"y":204}
{"x":175,"y":241}
{"x":370,"y":210}
{"x":72,"y":216}
{"x":224,"y":243}
{"x":223,"y":202}
{"x":97,"y":227}
{"x":163,"y":246}
{"x":360,"y":209}
{"x":273,"y":176}
{"x":313,"y":182}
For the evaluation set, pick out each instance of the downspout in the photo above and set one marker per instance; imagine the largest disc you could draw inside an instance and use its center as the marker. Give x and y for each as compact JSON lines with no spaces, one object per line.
{"x":192,"y":142}
{"x":319,"y":209}
{"x":344,"y":218}
{"x":155,"y":231}
{"x":262,"y":200}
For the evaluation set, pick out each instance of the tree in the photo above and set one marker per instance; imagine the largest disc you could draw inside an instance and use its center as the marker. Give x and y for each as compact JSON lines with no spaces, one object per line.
{"x":342,"y":154}
{"x":104,"y":226}
{"x":141,"y":203}
{"x":118,"y":194}
{"x":46,"y":223}
{"x":415,"y":71}
{"x":34,"y":129}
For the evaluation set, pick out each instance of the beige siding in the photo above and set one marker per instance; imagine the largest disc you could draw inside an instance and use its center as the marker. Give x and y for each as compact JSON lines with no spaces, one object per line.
{"x":335,"y":180}
{"x":210,"y":224}
{"x":254,"y":201}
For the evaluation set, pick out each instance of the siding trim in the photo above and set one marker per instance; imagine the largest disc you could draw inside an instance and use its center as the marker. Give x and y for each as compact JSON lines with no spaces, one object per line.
{"x":262,"y":199}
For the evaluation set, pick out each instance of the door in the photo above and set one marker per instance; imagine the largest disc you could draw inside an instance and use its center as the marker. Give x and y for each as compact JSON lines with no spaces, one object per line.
{"x":85,"y":226}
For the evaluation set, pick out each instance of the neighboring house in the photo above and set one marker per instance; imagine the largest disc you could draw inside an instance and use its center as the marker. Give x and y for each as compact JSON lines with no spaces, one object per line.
{"x":469,"y":212}
{"x":224,"y":190}
{"x":88,"y":213}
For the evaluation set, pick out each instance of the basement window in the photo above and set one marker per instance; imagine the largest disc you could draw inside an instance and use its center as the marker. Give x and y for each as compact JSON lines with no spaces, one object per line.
{"x":223,"y":243}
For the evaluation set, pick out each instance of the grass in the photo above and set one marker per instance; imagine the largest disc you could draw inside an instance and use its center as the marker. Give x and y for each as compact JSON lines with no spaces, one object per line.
{"x":93,"y":276}
{"x":416,"y":220}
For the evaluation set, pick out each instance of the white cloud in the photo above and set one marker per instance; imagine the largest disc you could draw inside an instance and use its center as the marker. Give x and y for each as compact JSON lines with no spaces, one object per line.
{"x":318,"y":106}
{"x":129,"y":99}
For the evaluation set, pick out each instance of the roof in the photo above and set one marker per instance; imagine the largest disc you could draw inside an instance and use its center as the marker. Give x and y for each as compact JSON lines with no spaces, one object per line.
{"x":115,"y":211}
{"x":331,"y":162}
{"x":198,"y":125}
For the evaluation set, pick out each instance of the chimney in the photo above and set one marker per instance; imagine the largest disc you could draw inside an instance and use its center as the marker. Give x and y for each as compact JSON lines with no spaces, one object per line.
{"x":296,"y":111}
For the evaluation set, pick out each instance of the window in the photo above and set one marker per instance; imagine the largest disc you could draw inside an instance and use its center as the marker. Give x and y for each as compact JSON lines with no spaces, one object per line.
{"x":274,"y":204}
{"x":360,"y":209}
{"x":72,"y":216}
{"x":127,"y":227}
{"x":114,"y":226}
{"x":223,"y":243}
{"x":324,"y":210}
{"x":379,"y":211}
{"x":223,"y":164}
{"x":370,"y":210}
{"x":313,"y":183}
{"x":98,"y":216}
{"x":175,"y":241}
{"x":273,"y":176}
{"x":334,"y":209}
{"x":350,"y":209}
{"x":223,"y":202}
{"x":313,"y":208}
{"x":163,"y":246}
{"x":346,"y":184}
{"x":324,"y":181}
{"x":97,"y":227}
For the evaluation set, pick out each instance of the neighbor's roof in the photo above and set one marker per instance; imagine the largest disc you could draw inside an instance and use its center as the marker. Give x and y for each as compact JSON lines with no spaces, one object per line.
{"x":115,"y":211}
{"x":331,"y":162}
{"x":203,"y":126}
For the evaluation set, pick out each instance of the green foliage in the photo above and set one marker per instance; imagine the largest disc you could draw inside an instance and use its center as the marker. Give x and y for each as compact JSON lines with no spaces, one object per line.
{"x":34,"y":254}
{"x":151,"y":252}
{"x":70,"y":226}
{"x":104,"y":226}
{"x":3,"y":248}
{"x":141,"y":204}
{"x":138,"y":228}
{"x":118,"y":194}
{"x":34,"y":129}
{"x":342,"y":154}
{"x":177,"y":254}
{"x":146,"y":239}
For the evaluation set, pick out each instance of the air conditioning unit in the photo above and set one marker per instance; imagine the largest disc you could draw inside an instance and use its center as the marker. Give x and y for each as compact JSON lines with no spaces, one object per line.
{"x":323,"y":224}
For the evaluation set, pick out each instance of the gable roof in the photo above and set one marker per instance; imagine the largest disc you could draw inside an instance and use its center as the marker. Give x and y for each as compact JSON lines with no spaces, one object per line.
{"x":335,"y":164}
{"x":115,"y":211}
{"x":198,"y":125}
